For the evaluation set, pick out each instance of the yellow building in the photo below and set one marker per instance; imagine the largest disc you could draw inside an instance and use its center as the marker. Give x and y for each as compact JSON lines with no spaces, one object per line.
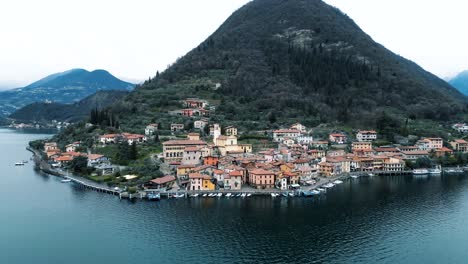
{"x":359,"y":146}
{"x":184,"y":169}
{"x":200,"y":182}
{"x":208,"y":185}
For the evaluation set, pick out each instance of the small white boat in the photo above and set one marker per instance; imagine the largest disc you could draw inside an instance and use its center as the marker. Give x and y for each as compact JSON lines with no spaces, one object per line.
{"x":321,"y":190}
{"x":65,"y":180}
{"x":338,"y":182}
{"x":435,"y":171}
{"x":315,"y":192}
{"x":371,"y":175}
{"x":194,"y":195}
{"x":420,"y":171}
{"x":291,"y":194}
{"x":274,"y":195}
{"x":211,"y":195}
{"x":180,"y":195}
{"x":204,"y":195}
{"x":354,"y":176}
{"x":329,"y":185}
{"x":219,"y":194}
{"x":19,"y":164}
{"x":243,"y":195}
{"x":228,"y":195}
{"x":248,"y":195}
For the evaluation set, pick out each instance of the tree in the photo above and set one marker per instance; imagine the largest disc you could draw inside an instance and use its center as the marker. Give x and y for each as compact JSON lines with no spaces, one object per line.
{"x":133,"y":153}
{"x":79,"y":165}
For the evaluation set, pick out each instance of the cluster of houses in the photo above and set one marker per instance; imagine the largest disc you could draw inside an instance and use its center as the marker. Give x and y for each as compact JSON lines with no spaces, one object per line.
{"x":123,"y":137}
{"x":58,"y":158}
{"x":194,"y":107}
{"x":298,"y":160}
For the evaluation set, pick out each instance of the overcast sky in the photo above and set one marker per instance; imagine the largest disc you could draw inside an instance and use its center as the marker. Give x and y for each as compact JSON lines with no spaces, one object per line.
{"x":134,"y":39}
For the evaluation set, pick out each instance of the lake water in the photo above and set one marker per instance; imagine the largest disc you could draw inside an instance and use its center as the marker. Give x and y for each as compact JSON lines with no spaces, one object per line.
{"x":372,"y":220}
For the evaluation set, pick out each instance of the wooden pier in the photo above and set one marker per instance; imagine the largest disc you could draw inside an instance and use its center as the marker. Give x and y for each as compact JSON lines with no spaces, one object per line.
{"x":91,"y":186}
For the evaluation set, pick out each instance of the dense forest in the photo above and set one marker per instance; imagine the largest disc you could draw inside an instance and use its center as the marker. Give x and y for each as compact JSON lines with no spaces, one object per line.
{"x":278,"y":62}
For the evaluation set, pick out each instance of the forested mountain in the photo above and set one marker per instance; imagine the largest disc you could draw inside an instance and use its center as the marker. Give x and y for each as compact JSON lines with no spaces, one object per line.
{"x":46,"y":112}
{"x":298,"y":60}
{"x":461,"y":82}
{"x":65,"y":87}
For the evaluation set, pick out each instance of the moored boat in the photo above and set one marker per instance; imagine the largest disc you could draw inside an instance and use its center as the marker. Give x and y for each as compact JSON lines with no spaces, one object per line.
{"x":329,"y":185}
{"x":243,"y":195}
{"x":338,"y":182}
{"x":194,"y":195}
{"x":248,"y":195}
{"x":315,"y":192}
{"x":153,"y":196}
{"x":205,"y":195}
{"x":219,"y":194}
{"x":65,"y":180}
{"x":228,"y":195}
{"x":435,"y":171}
{"x":321,"y":190}
{"x":420,"y":171}
{"x":19,"y":163}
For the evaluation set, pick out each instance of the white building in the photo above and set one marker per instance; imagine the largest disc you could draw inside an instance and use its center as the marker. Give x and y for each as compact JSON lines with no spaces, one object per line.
{"x":200,"y":124}
{"x":366,"y":135}
{"x":462,"y":128}
{"x":279,"y":135}
{"x":215,"y":131}
{"x":305,"y":140}
{"x":151,"y":129}
{"x":299,"y":127}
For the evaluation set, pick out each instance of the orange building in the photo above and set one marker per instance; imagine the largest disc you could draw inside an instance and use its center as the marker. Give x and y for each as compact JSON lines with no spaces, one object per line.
{"x":261,"y":179}
{"x":211,"y":161}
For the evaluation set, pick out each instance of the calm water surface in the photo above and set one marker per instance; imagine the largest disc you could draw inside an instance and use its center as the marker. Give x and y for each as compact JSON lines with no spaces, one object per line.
{"x":373,"y":220}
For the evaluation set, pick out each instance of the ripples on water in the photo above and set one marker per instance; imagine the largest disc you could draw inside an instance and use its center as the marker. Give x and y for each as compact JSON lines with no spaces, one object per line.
{"x":369,"y":220}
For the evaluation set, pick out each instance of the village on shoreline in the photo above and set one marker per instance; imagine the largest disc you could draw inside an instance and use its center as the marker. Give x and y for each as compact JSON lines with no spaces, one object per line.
{"x":298,"y":164}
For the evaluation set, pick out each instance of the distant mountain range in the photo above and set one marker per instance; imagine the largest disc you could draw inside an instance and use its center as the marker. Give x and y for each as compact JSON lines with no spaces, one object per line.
{"x":46,"y":112}
{"x":460,"y":82}
{"x":65,"y":88}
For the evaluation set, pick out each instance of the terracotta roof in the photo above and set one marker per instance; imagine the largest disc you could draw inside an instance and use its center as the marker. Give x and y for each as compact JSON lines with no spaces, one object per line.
{"x":163,"y":180}
{"x":444,"y":149}
{"x":185,"y":166}
{"x":184,"y":142}
{"x":109,"y":135}
{"x":421,"y":152}
{"x":95,"y":156}
{"x":199,"y":176}
{"x":261,"y":172}
{"x":218,"y":171}
{"x":367,"y":132}
{"x":337,"y":135}
{"x":64,"y":158}
{"x":73,"y":154}
{"x":192,"y":148}
{"x":235,"y":174}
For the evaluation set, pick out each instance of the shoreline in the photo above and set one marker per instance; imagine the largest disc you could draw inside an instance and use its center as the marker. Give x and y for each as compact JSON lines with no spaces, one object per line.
{"x":88,"y":184}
